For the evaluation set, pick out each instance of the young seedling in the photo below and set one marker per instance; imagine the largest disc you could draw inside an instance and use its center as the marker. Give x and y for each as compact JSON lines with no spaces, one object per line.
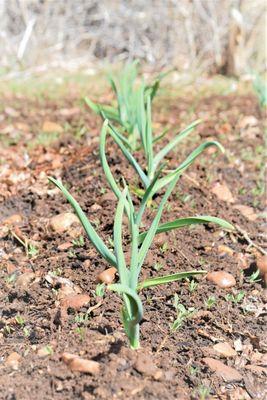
{"x":255,"y":277}
{"x":128,"y":95}
{"x":192,"y":285}
{"x":209,"y":303}
{"x":100,"y":289}
{"x":235,"y":298}
{"x":157,"y":266}
{"x":182,"y":314}
{"x":78,"y":242}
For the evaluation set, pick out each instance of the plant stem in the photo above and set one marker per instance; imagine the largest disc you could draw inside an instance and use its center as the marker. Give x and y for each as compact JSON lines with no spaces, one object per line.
{"x":133,"y":335}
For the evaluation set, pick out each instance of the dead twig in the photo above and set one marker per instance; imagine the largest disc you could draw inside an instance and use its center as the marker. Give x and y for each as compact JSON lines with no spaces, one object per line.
{"x":245,"y":235}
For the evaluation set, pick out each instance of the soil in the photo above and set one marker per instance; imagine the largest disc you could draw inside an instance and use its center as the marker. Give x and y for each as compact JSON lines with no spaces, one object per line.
{"x":172,"y":362}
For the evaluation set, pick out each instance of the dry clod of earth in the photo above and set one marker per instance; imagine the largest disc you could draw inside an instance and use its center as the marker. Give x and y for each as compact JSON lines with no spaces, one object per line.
{"x":228,"y":374}
{"x":144,"y":365}
{"x":24,"y":280}
{"x":107,"y":276}
{"x":62,"y":222}
{"x":224,"y":349}
{"x":108,"y":197}
{"x":222,"y":279}
{"x":78,"y":364}
{"x":95,"y":207}
{"x":160,"y":239}
{"x":64,"y":246}
{"x":74,"y":301}
{"x":223,"y":193}
{"x":13,"y":360}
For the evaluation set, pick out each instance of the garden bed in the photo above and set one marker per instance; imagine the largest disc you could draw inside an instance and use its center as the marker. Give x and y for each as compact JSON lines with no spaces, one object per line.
{"x":171,"y":364}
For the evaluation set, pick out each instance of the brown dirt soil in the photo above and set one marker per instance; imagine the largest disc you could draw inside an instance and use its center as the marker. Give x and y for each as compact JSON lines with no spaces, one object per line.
{"x":172,"y":363}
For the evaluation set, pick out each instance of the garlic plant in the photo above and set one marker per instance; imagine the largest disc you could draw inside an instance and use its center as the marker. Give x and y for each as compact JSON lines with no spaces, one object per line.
{"x":129,"y":285}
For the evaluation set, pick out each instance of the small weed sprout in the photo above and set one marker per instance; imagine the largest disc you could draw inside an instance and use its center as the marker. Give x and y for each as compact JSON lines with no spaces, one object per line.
{"x":100,"y":289}
{"x":209,"y":303}
{"x":203,"y":392}
{"x":255,"y":277}
{"x":20,"y":320}
{"x":157,"y":266}
{"x":182,"y":314}
{"x":78,"y":242}
{"x":235,"y":298}
{"x":192,"y":286}
{"x":32,"y":250}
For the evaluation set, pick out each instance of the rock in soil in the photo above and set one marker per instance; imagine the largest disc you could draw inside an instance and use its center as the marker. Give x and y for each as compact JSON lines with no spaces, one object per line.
{"x":222,"y":279}
{"x":229,"y":374}
{"x":224,"y":349}
{"x":107,"y":276}
{"x":62,"y":222}
{"x":75,"y":363}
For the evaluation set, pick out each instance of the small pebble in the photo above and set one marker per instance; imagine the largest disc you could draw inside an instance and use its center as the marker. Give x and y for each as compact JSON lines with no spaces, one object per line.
{"x":75,"y":301}
{"x":107,"y":276}
{"x":222,"y":279}
{"x":44,"y":351}
{"x":62,"y":222}
{"x":64,"y":246}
